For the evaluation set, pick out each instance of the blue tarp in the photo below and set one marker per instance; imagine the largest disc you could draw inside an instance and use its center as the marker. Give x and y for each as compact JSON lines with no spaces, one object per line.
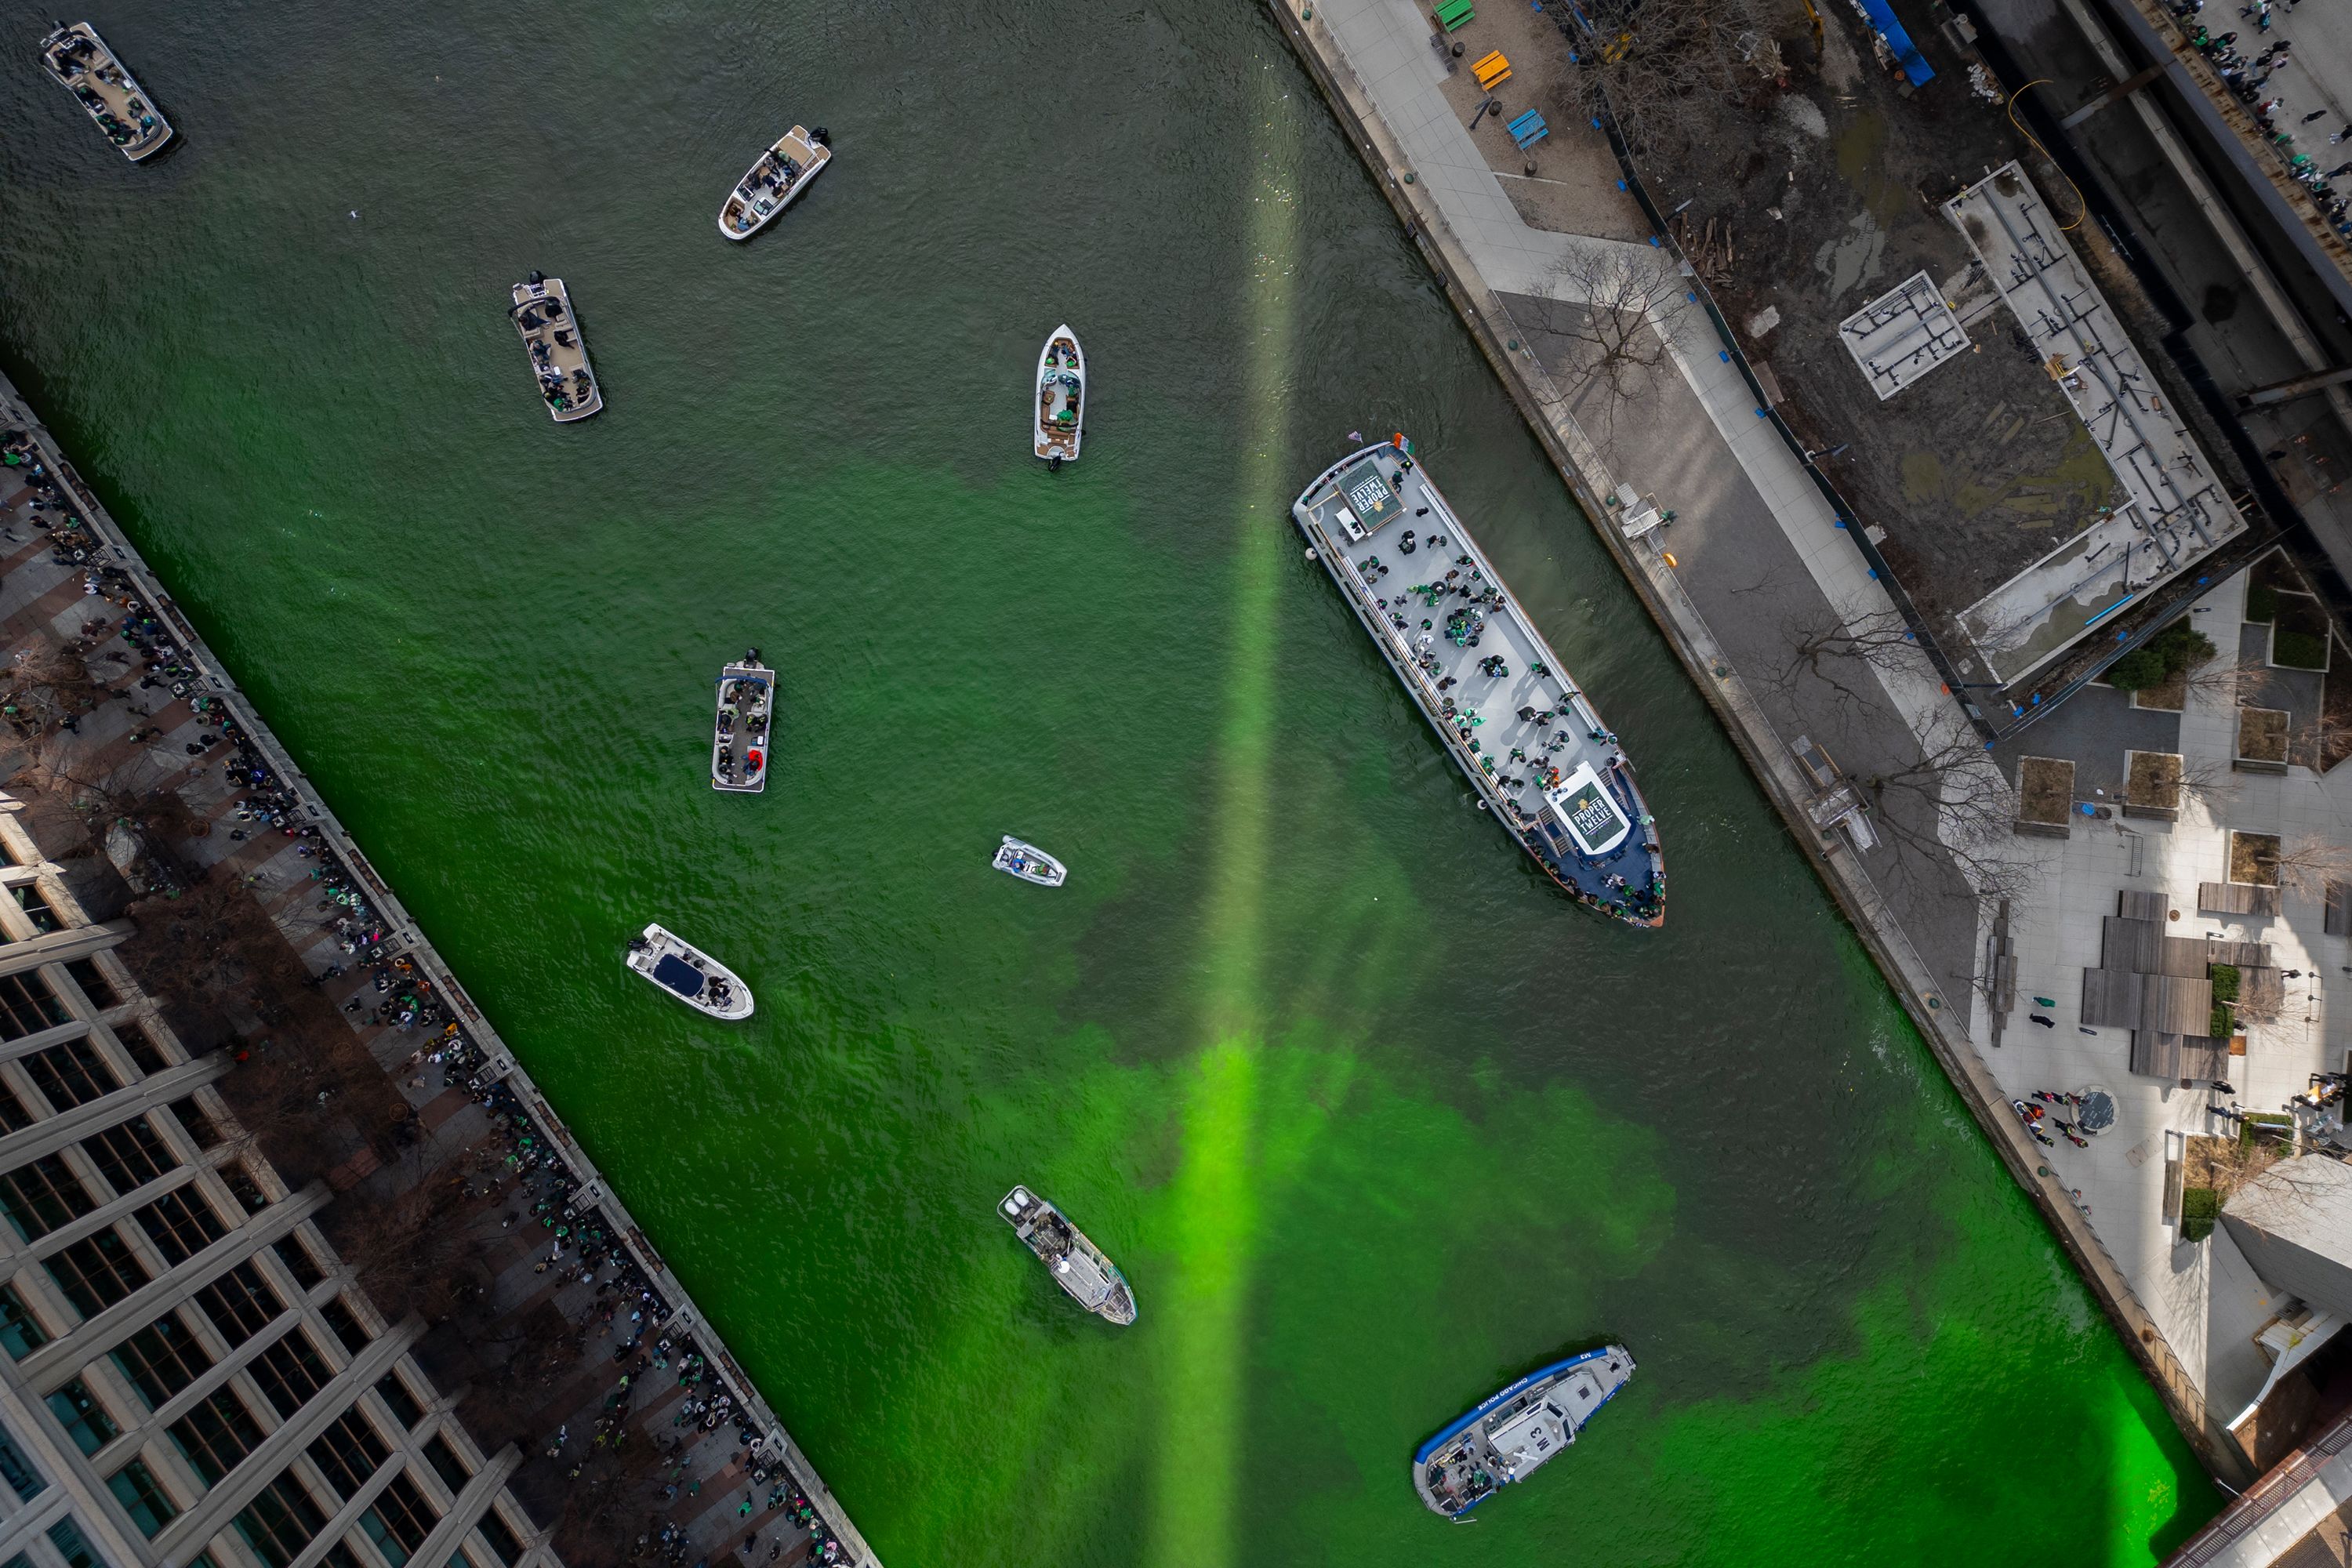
{"x":679,"y":974}
{"x":1907,"y":53}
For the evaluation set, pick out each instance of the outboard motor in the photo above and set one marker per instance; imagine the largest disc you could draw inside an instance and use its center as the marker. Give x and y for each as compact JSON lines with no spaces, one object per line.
{"x":821,"y":136}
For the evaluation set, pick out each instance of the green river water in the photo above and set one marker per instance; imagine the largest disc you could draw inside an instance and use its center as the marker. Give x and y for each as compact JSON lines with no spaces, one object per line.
{"x":1373,"y":1119}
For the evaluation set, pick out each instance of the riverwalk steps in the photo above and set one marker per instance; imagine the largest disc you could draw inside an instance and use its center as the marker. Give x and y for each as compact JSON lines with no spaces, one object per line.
{"x":1710,"y":442}
{"x":570,"y":1264}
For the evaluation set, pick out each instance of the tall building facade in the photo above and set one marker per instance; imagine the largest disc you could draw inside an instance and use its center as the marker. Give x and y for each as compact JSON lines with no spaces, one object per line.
{"x":189,"y":1378}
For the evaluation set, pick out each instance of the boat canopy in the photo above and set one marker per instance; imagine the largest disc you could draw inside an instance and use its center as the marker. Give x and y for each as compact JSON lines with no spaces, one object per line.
{"x":1583,"y":806}
{"x":679,"y":975}
{"x":1087,"y":1281}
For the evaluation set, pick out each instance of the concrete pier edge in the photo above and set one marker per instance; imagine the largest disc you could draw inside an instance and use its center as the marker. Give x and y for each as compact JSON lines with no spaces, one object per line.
{"x":410,"y":941}
{"x":1767,"y":757}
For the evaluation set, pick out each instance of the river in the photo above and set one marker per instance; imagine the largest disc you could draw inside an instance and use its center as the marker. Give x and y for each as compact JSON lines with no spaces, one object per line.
{"x":1374,"y":1120}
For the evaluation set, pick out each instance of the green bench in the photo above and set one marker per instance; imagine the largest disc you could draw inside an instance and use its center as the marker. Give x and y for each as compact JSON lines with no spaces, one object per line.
{"x":1454,"y":13}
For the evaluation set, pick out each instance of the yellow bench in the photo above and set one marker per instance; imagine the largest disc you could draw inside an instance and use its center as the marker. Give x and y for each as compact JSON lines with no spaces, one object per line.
{"x":1492,"y":69}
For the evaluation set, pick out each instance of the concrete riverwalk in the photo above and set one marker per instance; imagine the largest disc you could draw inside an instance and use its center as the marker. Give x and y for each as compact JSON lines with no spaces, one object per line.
{"x":1754,"y":555}
{"x":44,"y":591}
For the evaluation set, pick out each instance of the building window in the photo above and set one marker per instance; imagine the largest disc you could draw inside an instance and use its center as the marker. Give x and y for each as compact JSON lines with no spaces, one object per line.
{"x":240,"y":1303}
{"x":20,"y":1332}
{"x":130,"y":1155}
{"x":23,"y":1479}
{"x":502,"y":1541}
{"x":161,"y":1359}
{"x":199,"y":1126}
{"x":27,"y":1006}
{"x":14,"y":1117}
{"x":39,"y":1197}
{"x":96,"y":1272}
{"x":244,"y":1188}
{"x":135,"y":1488}
{"x":29,"y":900}
{"x":346,"y":1324}
{"x":280,"y":1521}
{"x":66,"y":1536}
{"x":399,"y":1401}
{"x":70,"y":1074}
{"x":298,"y":1262}
{"x":94,"y":985}
{"x":400,"y":1521}
{"x":146,"y":1051}
{"x":446,"y":1464}
{"x":181,"y":1224}
{"x":216,"y":1435}
{"x":83,"y":1418}
{"x":348,"y":1452}
{"x":291,"y":1371}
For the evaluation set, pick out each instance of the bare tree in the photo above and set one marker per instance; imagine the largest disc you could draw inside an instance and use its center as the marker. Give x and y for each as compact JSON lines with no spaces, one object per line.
{"x":1949,"y":806}
{"x":1660,"y":69}
{"x":1847,"y":655}
{"x":1618,"y":309}
{"x":2309,"y":864}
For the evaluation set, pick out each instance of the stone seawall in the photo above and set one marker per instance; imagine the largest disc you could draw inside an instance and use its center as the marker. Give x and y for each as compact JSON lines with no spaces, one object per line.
{"x":1939,"y":1019}
{"x":213,"y":680}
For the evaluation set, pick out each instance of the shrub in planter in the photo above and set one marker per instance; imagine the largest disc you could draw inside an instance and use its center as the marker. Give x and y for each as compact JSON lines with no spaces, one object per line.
{"x":2199,"y":1206}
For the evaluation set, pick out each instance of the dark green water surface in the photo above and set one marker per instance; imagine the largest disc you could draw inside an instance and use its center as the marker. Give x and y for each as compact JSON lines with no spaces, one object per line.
{"x":1373,"y":1119}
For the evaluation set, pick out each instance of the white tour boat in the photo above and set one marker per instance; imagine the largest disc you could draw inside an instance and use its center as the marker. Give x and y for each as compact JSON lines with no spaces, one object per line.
{"x":738,"y":747}
{"x":1029,"y":863}
{"x":558,"y":355}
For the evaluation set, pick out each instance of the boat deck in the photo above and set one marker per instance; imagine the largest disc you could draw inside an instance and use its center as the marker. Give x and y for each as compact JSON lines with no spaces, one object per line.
{"x":551,"y":336}
{"x":1518,"y":726}
{"x":743,"y":736}
{"x":770,"y":185}
{"x":79,"y":58}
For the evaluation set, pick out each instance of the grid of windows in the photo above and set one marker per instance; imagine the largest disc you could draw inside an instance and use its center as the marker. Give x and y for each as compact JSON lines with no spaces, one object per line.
{"x":39,"y":1197}
{"x":291,"y":1371}
{"x":135,"y":1489}
{"x":348,"y":1451}
{"x":280,"y":1521}
{"x":20,"y":1332}
{"x":214,"y":1436}
{"x":14,"y":1117}
{"x":396,"y":1398}
{"x":446,"y":1463}
{"x":97,"y":1271}
{"x":191,"y":1117}
{"x":94,"y":983}
{"x":399,"y":1520}
{"x":27,"y":1006}
{"x":181,"y":1224}
{"x":29,"y":900}
{"x":70,"y":1074}
{"x":129,"y":1154}
{"x":346,"y":1325}
{"x":240,"y":1303}
{"x":161,"y":1359}
{"x":83,"y":1418}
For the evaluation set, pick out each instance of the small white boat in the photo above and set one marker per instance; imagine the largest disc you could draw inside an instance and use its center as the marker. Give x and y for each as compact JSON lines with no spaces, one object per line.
{"x":1061,"y":398}
{"x":1078,"y":1266}
{"x":693,"y":976}
{"x":769,"y":185}
{"x":739,"y":749}
{"x":558,"y":355}
{"x":95,"y":74}
{"x":1029,"y":863}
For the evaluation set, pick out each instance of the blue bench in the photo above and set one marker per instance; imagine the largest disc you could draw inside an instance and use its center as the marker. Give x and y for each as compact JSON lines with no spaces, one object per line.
{"x":1528,"y":128}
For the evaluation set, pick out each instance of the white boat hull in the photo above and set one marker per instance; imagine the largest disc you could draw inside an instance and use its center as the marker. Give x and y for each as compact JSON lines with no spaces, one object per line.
{"x":689,"y":975}
{"x":1055,"y":437}
{"x":1031,"y":864}
{"x":744,"y":726}
{"x":754,"y":205}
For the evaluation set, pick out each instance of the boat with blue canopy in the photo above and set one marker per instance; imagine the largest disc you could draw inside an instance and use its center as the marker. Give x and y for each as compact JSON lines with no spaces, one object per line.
{"x":1524,"y":1426}
{"x":688,"y":973}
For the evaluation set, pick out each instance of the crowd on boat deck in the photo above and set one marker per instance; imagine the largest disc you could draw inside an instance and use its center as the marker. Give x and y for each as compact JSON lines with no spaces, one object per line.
{"x":755,"y":732}
{"x":551,"y":385}
{"x":71,"y":59}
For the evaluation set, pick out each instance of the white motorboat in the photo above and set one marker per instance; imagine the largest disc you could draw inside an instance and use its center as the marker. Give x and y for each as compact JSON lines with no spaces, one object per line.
{"x":686,"y":973}
{"x":1031,"y":864}
{"x":95,"y":74}
{"x":1078,"y":1266}
{"x":738,"y":747}
{"x":1061,"y":398}
{"x":767,"y":186}
{"x":558,"y":355}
